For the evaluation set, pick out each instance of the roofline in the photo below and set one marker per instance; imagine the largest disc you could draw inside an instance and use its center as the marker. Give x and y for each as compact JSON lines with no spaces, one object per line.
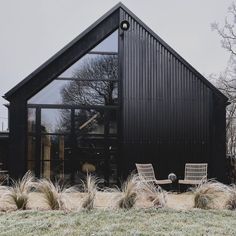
{"x":116,"y":7}
{"x":8,"y":94}
{"x":177,"y":55}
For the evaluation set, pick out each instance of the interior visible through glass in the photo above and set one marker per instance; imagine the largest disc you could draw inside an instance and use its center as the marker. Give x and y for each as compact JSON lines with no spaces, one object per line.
{"x":55,"y":120}
{"x":77,"y":118}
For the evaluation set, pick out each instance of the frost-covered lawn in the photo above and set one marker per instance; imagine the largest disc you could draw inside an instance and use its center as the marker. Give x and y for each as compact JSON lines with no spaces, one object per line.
{"x":119,"y":222}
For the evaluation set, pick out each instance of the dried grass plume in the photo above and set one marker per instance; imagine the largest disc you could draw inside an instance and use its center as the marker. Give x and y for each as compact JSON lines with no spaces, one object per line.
{"x":206,"y":193}
{"x":18,"y":193}
{"x":152,"y":193}
{"x":90,"y":187}
{"x":54,"y":194}
{"x":231,"y":201}
{"x":128,"y":192}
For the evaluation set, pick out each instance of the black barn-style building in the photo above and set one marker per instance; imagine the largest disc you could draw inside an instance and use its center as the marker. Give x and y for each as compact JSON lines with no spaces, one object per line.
{"x":115,"y":96}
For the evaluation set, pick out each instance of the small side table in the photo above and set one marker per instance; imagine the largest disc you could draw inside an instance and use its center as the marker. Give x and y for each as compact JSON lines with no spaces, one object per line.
{"x":174,"y":185}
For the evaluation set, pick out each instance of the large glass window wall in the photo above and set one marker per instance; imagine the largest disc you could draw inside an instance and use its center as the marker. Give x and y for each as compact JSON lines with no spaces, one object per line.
{"x":72,"y":122}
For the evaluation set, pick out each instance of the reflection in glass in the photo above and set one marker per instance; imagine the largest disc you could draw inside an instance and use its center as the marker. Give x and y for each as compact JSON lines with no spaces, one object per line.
{"x":90,"y":93}
{"x":89,"y":122}
{"x":31,"y":119}
{"x":97,"y":154}
{"x":112,"y":121}
{"x":77,"y":93}
{"x":31,"y":153}
{"x":55,"y":120}
{"x":109,"y":44}
{"x":51,"y":94}
{"x":54,"y":152}
{"x":93,"y":84}
{"x":90,"y":152}
{"x":73,"y":140}
{"x":112,"y":160}
{"x":97,"y":67}
{"x":110,"y":61}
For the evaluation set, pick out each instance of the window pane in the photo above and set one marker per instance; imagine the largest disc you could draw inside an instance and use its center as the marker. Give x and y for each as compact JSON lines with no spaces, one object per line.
{"x":90,"y":156}
{"x":96,"y":156}
{"x":93,"y":63}
{"x":89,"y":122}
{"x":31,"y":153}
{"x":77,"y":93}
{"x":31,"y":166}
{"x":31,"y":119}
{"x":89,"y":81}
{"x":44,"y":96}
{"x":112,"y":160}
{"x":93,"y":67}
{"x":55,"y":120}
{"x":90,"y":93}
{"x":55,"y":152}
{"x":56,"y":170}
{"x":112,"y":120}
{"x":31,"y":147}
{"x":110,"y":44}
{"x":55,"y":147}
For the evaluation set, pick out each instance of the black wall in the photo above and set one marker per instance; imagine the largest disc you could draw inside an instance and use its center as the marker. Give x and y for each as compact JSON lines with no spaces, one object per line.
{"x":17,"y":137}
{"x":170,"y":116}
{"x":4,"y":148}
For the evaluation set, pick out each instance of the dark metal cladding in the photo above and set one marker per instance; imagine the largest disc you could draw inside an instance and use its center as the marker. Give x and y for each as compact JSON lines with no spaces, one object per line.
{"x":170,"y":116}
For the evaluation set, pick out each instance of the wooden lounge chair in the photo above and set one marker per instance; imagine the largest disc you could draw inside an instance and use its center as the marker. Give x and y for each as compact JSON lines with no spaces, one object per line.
{"x":194,"y":173}
{"x":146,"y":173}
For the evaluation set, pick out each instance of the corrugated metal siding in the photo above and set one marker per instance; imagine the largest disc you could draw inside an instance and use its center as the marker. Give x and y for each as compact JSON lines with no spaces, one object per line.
{"x":165,"y":104}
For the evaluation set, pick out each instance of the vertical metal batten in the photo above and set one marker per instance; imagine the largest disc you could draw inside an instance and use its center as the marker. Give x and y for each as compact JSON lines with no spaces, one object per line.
{"x":120,"y":125}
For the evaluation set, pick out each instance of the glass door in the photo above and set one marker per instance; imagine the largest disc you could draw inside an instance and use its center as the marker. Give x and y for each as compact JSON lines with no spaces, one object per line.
{"x":95,"y":144}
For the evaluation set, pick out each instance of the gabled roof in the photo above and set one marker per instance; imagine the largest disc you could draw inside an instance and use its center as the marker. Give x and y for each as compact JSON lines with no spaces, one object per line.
{"x":114,"y":12}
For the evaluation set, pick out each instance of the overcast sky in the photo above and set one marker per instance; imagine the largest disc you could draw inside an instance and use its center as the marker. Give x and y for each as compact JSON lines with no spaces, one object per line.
{"x":31,"y":31}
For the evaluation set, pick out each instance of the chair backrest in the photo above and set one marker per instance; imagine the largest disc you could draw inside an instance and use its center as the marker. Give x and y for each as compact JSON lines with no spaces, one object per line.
{"x":195,"y":171}
{"x":146,"y":172}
